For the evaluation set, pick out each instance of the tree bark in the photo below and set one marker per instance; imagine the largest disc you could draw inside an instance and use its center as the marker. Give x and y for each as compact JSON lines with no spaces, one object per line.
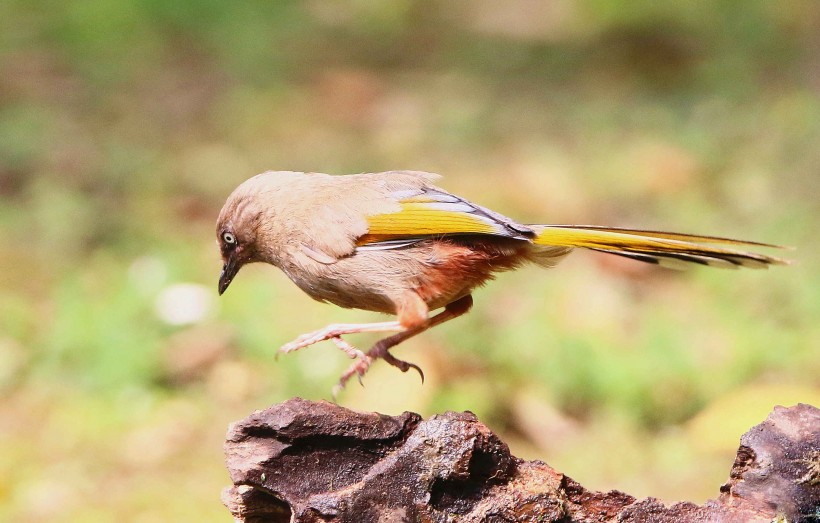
{"x":305,"y":461}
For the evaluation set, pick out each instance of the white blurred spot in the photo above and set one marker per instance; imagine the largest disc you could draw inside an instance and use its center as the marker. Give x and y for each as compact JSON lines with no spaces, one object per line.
{"x":184,"y":303}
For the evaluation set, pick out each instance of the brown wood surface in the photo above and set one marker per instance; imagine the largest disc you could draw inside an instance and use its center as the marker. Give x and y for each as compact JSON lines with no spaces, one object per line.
{"x":306,"y":461}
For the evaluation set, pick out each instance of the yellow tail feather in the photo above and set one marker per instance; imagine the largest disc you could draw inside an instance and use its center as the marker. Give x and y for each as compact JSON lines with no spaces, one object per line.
{"x":662,"y":248}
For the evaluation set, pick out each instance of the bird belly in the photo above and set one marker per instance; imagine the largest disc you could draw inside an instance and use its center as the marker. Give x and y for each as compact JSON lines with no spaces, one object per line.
{"x":350,"y":282}
{"x":439,"y":271}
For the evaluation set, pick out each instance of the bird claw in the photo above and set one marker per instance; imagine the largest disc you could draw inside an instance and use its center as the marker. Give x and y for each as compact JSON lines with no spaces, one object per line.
{"x":402,"y":365}
{"x":358,"y":369}
{"x":418,"y":369}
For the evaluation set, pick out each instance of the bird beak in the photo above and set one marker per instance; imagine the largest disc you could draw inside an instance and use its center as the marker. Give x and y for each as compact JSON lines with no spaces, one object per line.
{"x":229,"y":270}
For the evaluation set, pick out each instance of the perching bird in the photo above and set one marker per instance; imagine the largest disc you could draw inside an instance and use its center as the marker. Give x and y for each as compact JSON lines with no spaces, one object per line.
{"x":393,"y":242}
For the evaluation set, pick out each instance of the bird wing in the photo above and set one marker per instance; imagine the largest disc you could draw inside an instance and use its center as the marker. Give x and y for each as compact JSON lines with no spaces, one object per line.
{"x":433,"y":212}
{"x":327,"y":214}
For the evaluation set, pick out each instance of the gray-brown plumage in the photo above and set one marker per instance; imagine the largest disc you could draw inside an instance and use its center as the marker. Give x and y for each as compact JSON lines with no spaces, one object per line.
{"x":393,"y":242}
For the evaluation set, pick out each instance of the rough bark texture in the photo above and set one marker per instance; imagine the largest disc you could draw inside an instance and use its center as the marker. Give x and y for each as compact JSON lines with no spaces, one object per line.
{"x":317,"y":462}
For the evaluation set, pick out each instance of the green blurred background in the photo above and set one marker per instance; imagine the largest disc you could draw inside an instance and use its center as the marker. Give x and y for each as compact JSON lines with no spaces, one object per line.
{"x":124,"y":125}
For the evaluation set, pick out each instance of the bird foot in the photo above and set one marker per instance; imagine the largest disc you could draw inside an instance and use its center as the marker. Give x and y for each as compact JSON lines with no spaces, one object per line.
{"x":358,"y":369}
{"x":347,"y":348}
{"x":362,"y":365}
{"x":311,"y":338}
{"x":363,"y":360}
{"x":344,"y":346}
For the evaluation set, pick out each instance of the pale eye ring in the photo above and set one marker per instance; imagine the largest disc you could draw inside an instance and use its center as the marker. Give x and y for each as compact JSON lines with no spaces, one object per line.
{"x":228,"y":238}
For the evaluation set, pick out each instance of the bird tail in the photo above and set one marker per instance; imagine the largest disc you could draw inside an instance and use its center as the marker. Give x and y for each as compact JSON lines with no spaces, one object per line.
{"x":667,"y":249}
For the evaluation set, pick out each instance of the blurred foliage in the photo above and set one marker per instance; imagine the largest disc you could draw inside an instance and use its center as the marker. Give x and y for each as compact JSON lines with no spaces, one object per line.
{"x":124,"y":124}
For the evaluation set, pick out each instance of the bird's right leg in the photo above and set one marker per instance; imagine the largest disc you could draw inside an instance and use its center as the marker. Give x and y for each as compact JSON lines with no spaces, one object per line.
{"x":381,"y":350}
{"x":410,"y":309}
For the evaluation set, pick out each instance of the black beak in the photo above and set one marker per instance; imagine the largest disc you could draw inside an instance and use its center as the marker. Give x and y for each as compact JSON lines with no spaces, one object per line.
{"x":229,"y":270}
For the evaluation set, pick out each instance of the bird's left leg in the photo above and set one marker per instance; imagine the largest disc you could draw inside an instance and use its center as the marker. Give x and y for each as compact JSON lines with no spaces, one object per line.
{"x":381,"y":350}
{"x":333,"y":332}
{"x":410,"y":309}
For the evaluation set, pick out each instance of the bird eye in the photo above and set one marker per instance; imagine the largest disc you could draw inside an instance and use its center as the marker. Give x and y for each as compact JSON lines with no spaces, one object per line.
{"x":228,"y":238}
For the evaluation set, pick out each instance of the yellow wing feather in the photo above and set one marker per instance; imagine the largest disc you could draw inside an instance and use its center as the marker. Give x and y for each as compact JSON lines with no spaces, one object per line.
{"x":435,"y":214}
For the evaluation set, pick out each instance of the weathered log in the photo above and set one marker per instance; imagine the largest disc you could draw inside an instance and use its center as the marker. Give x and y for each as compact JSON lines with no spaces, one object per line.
{"x":304,"y":461}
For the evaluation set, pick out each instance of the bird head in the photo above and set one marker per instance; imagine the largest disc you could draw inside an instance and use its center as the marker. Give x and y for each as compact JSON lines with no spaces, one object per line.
{"x":236,"y":234}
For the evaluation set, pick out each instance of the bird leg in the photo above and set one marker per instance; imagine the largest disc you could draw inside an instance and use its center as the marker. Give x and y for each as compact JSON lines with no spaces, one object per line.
{"x":382,"y":347}
{"x":331,"y":332}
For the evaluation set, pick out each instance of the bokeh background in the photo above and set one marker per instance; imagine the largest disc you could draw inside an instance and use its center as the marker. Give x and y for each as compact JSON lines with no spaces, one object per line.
{"x":124,"y":125}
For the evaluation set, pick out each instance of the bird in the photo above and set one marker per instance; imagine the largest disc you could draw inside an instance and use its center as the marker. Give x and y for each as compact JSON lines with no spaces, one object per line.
{"x":393,"y":242}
